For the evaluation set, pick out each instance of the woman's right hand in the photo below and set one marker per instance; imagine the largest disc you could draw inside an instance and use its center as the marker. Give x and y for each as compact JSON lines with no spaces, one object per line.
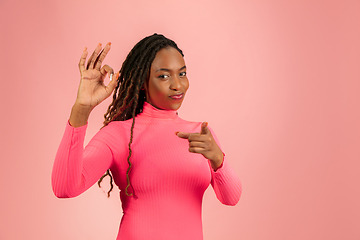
{"x":92,"y":89}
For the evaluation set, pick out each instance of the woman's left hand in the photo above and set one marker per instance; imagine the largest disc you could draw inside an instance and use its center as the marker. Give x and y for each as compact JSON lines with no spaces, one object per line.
{"x":205,"y":144}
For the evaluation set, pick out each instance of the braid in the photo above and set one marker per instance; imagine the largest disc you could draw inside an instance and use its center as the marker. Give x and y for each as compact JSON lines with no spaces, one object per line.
{"x":130,"y":150}
{"x":129,"y":97}
{"x":111,"y":181}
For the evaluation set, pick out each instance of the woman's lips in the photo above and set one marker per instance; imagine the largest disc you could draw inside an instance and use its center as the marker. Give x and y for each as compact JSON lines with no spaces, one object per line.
{"x":177,"y":96}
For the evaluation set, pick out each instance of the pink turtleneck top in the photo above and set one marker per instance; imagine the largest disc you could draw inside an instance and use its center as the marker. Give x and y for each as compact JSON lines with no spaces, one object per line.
{"x":168,"y":180}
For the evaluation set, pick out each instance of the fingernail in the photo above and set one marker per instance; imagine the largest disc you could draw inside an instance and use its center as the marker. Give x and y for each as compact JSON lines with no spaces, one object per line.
{"x":109,"y":43}
{"x":85,"y":49}
{"x":111,"y":76}
{"x":176,"y":133}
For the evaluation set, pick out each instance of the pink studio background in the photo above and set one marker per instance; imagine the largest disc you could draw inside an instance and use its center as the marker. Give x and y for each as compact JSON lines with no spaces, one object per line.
{"x":278,"y":81}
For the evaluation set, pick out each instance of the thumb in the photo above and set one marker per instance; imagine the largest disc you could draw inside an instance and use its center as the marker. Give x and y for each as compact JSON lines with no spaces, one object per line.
{"x":113,"y":82}
{"x":204,"y":128}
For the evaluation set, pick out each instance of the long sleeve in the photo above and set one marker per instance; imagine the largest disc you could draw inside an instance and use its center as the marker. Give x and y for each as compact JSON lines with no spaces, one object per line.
{"x":76,"y":169}
{"x":226,"y":184}
{"x":168,"y":181}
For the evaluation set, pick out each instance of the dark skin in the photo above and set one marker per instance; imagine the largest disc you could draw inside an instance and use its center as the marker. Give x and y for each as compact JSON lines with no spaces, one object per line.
{"x":205,"y":144}
{"x":92,"y":90}
{"x":167,"y":83}
{"x":165,"y":90}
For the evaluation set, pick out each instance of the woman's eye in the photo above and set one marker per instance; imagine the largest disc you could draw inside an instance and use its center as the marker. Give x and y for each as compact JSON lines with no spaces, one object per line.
{"x":183,"y":74}
{"x":164,"y":76}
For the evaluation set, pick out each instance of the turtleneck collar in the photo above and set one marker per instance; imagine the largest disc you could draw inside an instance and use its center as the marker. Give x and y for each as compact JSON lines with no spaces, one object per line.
{"x":151,"y":111}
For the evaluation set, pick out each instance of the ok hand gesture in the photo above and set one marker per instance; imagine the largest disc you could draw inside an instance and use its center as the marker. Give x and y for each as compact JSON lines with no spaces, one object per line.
{"x":92,"y":89}
{"x":205,"y":144}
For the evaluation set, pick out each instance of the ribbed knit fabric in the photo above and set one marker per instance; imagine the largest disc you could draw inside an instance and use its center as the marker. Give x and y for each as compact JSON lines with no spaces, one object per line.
{"x":168,"y":180}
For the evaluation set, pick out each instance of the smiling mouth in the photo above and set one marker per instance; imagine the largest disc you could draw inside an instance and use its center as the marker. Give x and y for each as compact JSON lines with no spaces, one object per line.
{"x":177,"y":97}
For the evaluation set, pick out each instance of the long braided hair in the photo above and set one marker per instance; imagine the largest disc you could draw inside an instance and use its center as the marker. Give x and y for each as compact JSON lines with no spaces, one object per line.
{"x":129,"y":95}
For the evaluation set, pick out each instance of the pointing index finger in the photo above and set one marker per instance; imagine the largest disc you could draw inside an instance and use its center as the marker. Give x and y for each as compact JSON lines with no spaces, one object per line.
{"x":182,"y":135}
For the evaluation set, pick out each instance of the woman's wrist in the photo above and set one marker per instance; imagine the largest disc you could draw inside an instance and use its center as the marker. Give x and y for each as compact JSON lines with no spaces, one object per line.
{"x":216,"y":163}
{"x":79,"y":115}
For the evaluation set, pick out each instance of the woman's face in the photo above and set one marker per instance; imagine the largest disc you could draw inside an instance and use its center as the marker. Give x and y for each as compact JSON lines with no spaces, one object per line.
{"x":168,"y":82}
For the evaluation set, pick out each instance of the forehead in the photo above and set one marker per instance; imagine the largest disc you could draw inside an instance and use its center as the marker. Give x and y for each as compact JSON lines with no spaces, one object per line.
{"x":168,"y":58}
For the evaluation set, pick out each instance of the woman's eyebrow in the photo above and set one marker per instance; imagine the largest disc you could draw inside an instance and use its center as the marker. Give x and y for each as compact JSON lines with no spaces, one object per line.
{"x":168,"y":70}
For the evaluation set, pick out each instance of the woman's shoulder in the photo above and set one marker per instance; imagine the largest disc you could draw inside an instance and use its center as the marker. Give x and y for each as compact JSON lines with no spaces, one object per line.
{"x":187,"y":121}
{"x":192,"y":125}
{"x":113,"y":134}
{"x":115,"y":128}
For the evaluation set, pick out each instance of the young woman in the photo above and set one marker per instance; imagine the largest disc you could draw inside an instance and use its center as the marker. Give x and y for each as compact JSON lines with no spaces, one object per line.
{"x":161,"y":163}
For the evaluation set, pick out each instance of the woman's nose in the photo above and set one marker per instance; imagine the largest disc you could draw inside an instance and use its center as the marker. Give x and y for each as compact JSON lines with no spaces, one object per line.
{"x":175,"y":83}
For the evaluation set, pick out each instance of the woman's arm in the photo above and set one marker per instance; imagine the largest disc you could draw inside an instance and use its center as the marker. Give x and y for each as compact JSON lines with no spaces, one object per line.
{"x":76,"y":169}
{"x":226,"y":184}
